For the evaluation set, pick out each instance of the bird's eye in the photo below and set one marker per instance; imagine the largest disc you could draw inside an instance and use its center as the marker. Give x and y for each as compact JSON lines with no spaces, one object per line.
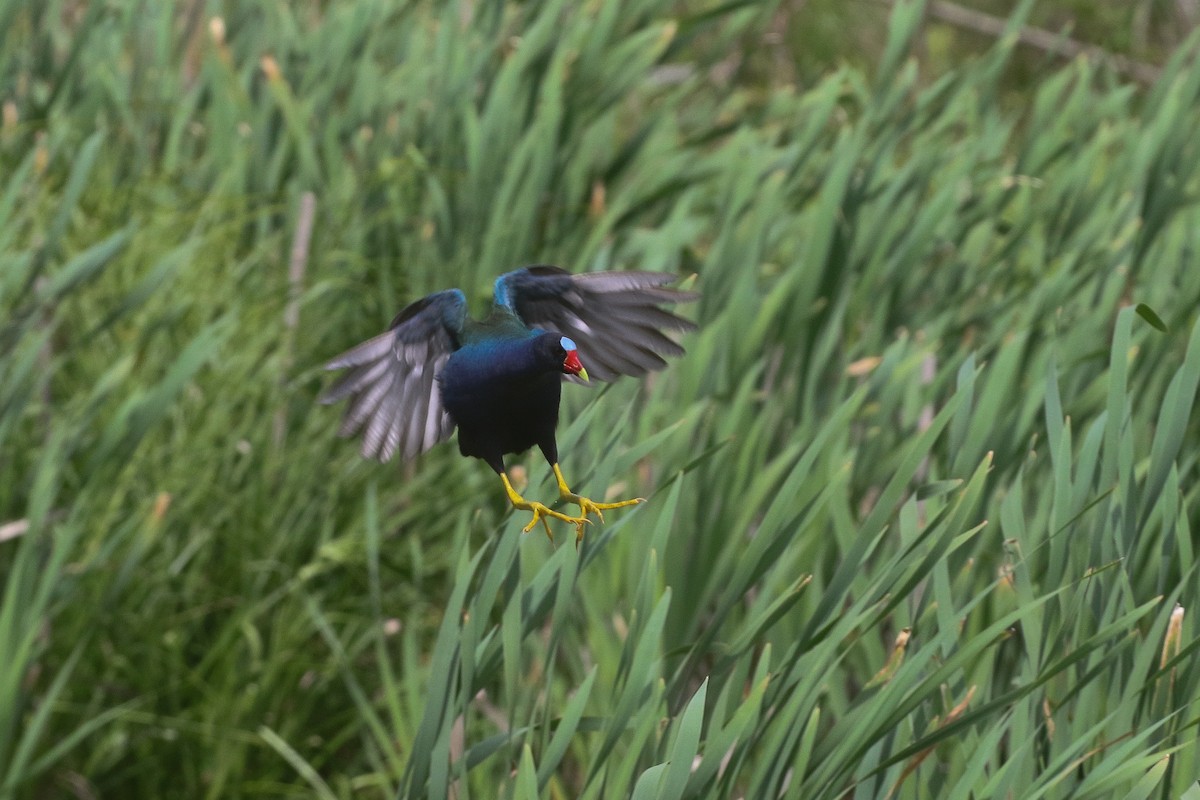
{"x":567,"y":344}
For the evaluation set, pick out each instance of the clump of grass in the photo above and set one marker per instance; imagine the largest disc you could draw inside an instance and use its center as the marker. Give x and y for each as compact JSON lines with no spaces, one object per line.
{"x":922,"y":490}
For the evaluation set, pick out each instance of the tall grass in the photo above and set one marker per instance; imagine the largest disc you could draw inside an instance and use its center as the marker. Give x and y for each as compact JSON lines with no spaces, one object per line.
{"x":922,"y":492}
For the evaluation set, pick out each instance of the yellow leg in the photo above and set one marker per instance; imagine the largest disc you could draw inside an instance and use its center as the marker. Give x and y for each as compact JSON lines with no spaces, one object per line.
{"x":587,"y":506}
{"x":541,"y":512}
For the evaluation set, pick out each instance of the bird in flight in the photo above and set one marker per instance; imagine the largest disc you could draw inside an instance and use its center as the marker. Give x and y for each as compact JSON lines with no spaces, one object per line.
{"x":498,"y":380}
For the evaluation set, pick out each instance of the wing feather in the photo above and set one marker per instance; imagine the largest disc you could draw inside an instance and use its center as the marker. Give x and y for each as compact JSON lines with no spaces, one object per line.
{"x":390,"y":382}
{"x":616,"y":318}
{"x":391,"y":442}
{"x":354,"y":380}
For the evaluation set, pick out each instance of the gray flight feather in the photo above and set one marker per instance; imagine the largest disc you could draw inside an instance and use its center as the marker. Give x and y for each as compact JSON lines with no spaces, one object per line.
{"x":390,"y":379}
{"x":614,"y":317}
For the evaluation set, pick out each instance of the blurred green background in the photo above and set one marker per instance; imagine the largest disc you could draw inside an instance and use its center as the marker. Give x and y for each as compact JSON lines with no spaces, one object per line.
{"x":922,"y":491}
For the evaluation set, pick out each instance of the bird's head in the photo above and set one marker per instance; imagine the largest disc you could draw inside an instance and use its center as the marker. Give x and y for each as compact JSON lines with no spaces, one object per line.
{"x":571,"y":364}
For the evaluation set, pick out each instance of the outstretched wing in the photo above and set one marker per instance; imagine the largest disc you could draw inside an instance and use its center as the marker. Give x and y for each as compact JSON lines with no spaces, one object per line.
{"x":615,"y":318}
{"x":390,"y":382}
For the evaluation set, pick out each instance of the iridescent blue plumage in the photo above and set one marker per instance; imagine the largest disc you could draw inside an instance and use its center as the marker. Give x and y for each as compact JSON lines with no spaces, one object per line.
{"x":503,"y":394}
{"x":499,"y":380}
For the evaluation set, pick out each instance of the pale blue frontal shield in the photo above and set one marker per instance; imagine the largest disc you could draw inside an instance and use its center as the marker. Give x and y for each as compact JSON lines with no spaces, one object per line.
{"x":567,"y":344}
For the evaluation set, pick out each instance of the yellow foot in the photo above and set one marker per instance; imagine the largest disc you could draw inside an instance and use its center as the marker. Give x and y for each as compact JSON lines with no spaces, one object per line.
{"x":586,"y":505}
{"x":541,"y":512}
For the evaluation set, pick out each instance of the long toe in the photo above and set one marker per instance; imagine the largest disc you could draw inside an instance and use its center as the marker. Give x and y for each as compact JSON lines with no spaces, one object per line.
{"x":539,"y":517}
{"x":588,"y":506}
{"x":541,"y":513}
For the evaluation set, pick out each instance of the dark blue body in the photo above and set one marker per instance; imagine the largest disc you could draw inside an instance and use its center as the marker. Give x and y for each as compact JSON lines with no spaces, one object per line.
{"x":502,"y":389}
